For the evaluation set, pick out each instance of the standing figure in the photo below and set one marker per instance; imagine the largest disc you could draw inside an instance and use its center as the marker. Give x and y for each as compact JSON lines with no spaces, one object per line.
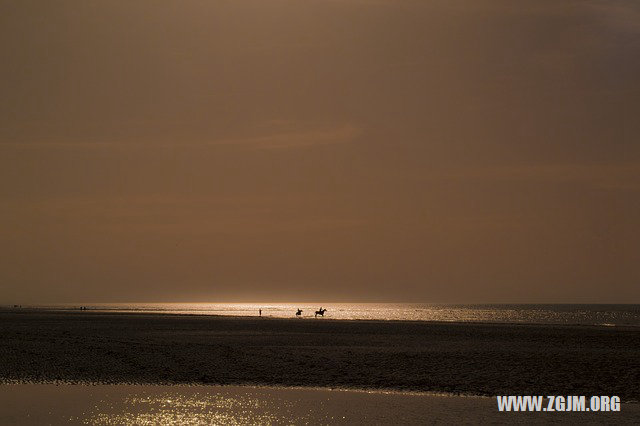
{"x":260,"y":311}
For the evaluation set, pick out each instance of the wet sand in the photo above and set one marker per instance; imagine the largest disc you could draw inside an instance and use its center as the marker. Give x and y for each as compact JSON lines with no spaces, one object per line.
{"x":153,"y":404}
{"x":475,"y":359}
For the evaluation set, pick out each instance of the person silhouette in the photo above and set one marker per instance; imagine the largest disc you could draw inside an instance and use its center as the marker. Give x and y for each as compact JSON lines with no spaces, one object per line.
{"x":260,"y":311}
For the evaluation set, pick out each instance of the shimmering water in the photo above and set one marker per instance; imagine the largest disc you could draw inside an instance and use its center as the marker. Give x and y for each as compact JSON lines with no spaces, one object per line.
{"x":38,"y":404}
{"x":610,"y":315}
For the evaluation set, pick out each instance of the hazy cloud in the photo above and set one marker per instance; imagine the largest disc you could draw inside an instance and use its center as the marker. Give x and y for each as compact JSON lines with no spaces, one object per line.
{"x":438,"y":151}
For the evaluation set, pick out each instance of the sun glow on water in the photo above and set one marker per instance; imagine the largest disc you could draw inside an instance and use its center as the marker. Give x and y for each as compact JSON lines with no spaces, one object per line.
{"x":195,"y":408}
{"x":609,"y":315}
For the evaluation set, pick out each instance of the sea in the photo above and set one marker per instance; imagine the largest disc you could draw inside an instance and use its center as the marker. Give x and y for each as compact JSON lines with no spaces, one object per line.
{"x":568,"y":314}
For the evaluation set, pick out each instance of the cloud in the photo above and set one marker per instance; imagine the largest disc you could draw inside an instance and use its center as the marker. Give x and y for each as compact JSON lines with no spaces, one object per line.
{"x":278,"y":134}
{"x":188,"y":216}
{"x":296,"y":139}
{"x":601,"y":176}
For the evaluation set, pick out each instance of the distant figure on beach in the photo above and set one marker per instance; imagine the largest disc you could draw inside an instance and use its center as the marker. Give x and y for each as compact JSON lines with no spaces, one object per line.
{"x":299,"y":312}
{"x":260,"y":311}
{"x":320,"y":312}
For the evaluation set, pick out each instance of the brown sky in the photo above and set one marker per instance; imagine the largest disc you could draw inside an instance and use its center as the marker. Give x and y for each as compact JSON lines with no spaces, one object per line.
{"x":364,"y":150}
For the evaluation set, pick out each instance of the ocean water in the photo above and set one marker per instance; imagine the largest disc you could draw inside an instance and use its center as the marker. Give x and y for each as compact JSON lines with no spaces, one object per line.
{"x":38,"y":404}
{"x":585,"y":314}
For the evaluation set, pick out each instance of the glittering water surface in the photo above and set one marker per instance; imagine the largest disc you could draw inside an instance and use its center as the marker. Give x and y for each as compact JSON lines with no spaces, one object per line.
{"x":38,"y":404}
{"x":178,"y":406}
{"x":234,"y":405}
{"x":611,"y":315}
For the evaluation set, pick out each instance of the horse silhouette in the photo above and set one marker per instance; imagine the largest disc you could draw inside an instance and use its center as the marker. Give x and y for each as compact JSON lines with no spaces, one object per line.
{"x":320,"y":312}
{"x":299,"y":312}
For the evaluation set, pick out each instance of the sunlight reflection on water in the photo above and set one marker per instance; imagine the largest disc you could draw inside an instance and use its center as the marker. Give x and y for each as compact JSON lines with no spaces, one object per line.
{"x":501,"y":313}
{"x":37,"y":404}
{"x":198,"y":408}
{"x":182,"y":405}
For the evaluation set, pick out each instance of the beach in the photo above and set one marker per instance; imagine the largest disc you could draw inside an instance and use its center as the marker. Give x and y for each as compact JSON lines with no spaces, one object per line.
{"x":452,"y":358}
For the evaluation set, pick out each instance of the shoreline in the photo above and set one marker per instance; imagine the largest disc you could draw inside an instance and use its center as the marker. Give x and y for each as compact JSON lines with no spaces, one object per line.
{"x":378,"y":391}
{"x":267,"y":387}
{"x":27,"y":310}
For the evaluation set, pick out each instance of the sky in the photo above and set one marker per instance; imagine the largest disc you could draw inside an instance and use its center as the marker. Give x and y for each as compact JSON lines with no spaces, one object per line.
{"x":449,"y":151}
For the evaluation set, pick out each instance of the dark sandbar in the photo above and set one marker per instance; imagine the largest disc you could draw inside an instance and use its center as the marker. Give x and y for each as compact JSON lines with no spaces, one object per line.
{"x":480,"y":359}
